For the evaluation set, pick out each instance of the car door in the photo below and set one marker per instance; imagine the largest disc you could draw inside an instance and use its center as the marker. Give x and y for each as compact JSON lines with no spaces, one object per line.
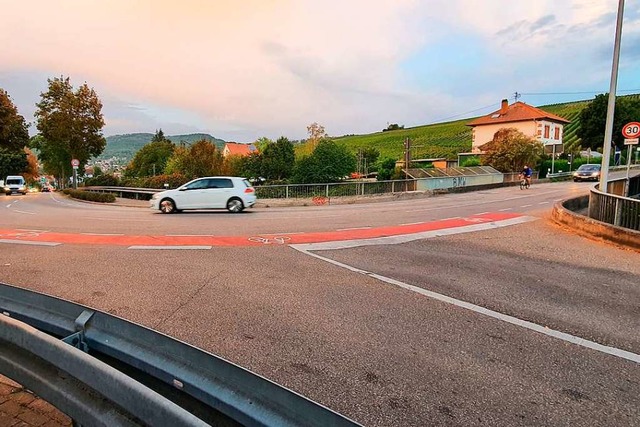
{"x":193,"y":195}
{"x":219,"y":192}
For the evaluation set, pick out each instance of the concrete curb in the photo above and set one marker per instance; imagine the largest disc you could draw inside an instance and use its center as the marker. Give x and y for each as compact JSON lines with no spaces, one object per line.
{"x":564,"y":213}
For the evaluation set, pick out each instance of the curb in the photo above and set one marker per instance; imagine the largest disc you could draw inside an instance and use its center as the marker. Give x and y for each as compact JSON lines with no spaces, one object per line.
{"x":563,"y":214}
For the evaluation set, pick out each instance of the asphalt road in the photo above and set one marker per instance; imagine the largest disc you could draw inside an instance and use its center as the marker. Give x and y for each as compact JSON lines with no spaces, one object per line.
{"x":344,"y":329}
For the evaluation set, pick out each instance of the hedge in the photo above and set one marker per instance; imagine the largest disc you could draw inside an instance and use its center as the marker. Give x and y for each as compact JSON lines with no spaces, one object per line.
{"x":89,"y":196}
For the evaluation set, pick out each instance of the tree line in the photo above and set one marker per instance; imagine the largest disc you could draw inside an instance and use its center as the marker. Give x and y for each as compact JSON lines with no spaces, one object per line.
{"x":69,"y":122}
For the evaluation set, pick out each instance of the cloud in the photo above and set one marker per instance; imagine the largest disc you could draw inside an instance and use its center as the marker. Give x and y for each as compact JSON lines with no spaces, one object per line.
{"x":245,"y":69}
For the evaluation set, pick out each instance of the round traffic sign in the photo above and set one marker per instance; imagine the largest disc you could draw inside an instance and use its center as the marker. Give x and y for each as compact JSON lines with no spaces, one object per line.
{"x":631,"y":130}
{"x":75,"y":163}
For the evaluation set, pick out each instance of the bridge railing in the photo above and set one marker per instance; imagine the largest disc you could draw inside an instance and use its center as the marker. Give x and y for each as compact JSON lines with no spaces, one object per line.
{"x":616,"y":209}
{"x":103,"y":370}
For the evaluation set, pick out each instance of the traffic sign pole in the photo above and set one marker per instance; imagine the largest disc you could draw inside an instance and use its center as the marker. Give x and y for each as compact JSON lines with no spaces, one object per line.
{"x":631,"y":132}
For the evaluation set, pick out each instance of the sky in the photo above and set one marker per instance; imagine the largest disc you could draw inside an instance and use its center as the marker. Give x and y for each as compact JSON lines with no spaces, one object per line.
{"x":240,"y":70}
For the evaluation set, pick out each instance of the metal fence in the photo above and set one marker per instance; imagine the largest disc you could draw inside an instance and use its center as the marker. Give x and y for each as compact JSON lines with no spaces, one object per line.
{"x":341,"y":189}
{"x":616,"y":210}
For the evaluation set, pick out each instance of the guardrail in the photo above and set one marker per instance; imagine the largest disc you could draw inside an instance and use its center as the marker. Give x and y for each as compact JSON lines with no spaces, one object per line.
{"x":614,"y":209}
{"x":108,"y":371}
{"x":139,"y":193}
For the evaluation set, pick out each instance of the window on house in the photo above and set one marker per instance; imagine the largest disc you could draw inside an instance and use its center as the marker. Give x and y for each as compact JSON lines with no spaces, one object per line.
{"x":556,"y":134}
{"x":546,"y":131}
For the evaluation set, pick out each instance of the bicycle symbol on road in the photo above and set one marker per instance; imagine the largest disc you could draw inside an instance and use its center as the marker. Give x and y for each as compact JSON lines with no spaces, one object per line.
{"x":279,"y":240}
{"x":22,"y":235}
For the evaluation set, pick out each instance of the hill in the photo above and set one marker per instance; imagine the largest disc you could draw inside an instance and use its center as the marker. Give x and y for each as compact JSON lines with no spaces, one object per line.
{"x":448,"y":139}
{"x":124,"y":147}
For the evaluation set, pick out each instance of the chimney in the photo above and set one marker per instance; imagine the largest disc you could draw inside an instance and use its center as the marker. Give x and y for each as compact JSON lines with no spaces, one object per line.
{"x":505,"y":107}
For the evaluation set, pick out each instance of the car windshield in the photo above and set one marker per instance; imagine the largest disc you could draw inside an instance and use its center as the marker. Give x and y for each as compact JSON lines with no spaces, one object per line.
{"x":14,"y":182}
{"x":589,"y":168}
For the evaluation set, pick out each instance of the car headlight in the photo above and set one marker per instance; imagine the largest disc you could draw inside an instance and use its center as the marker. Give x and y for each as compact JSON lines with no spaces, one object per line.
{"x":595,"y":174}
{"x":575,"y":174}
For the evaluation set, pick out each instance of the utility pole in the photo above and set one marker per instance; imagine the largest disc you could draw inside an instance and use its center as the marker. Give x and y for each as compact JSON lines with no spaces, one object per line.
{"x":608,"y":131}
{"x":407,"y":157}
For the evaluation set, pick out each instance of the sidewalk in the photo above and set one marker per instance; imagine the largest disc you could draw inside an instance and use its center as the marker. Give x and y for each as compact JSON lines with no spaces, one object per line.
{"x":21,"y":408}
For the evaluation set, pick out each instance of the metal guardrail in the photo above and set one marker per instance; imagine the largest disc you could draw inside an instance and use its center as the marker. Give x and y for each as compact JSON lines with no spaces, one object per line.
{"x":614,"y":209}
{"x":339,"y":189}
{"x":559,"y":175}
{"x":108,"y":371}
{"x":146,"y":193}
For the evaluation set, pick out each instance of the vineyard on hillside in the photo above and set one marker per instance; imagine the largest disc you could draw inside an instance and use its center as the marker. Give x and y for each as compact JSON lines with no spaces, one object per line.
{"x":450,"y":138}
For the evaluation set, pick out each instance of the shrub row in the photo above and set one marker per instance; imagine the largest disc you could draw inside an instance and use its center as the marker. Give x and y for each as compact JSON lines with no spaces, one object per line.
{"x":174,"y":180}
{"x":92,"y":197}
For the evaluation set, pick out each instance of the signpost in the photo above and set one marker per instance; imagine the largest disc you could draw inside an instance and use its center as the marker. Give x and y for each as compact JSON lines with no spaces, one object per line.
{"x":631,"y":133}
{"x":74,"y":164}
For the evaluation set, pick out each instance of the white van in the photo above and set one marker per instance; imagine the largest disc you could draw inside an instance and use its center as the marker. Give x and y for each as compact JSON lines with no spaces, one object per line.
{"x":14,"y":185}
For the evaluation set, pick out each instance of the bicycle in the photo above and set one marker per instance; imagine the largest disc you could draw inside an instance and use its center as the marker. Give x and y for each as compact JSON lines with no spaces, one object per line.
{"x":524,"y":182}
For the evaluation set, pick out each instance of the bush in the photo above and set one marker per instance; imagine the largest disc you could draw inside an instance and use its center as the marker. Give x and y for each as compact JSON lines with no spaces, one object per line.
{"x":104,"y":180}
{"x":470,"y":162}
{"x":90,"y":196}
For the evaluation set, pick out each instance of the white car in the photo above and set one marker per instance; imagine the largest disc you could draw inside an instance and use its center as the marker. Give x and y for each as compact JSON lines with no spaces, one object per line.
{"x":15,"y":185}
{"x":213,"y":192}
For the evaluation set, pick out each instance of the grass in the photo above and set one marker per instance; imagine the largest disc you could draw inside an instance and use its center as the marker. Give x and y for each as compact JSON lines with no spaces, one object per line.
{"x":450,"y":138}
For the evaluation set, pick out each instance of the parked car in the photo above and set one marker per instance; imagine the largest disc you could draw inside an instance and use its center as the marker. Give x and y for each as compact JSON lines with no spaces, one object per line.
{"x":214,"y":192}
{"x":587,"y":172}
{"x":15,"y":185}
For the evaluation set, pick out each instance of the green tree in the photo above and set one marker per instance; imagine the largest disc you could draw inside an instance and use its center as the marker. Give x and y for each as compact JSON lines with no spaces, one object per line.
{"x":593,"y":120}
{"x":277,"y":159}
{"x":202,"y":158}
{"x":510,"y":150}
{"x":12,"y":163}
{"x":151,"y":159}
{"x":329,"y":162}
{"x":97,"y":171}
{"x":386,"y":168}
{"x":70,"y":123}
{"x":159,"y":136}
{"x":261,"y":143}
{"x":14,"y":134}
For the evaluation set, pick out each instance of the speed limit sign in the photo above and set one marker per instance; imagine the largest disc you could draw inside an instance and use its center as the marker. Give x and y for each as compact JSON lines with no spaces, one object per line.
{"x":631,"y":130}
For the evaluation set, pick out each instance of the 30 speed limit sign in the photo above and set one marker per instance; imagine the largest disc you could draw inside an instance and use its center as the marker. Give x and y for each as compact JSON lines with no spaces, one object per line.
{"x":631,"y":130}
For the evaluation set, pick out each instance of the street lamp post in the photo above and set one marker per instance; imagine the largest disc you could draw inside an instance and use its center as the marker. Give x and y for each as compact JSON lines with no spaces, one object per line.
{"x":608,"y":132}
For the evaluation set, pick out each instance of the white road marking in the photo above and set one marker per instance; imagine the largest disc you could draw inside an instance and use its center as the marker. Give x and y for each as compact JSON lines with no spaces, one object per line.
{"x":505,"y":209}
{"x":525,"y":206}
{"x":543,"y":203}
{"x":169,"y":247}
{"x":482,"y":213}
{"x":189,"y":235}
{"x":623,"y":354}
{"x":404,"y":238}
{"x":353,"y":228}
{"x":27,"y":242}
{"x":102,"y":234}
{"x":31,"y":230}
{"x":411,"y":223}
{"x":481,"y":202}
{"x":24,"y":212}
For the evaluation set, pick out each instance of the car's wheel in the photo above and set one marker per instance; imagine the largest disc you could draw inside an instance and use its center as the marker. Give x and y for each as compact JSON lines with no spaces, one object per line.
{"x":167,"y":206}
{"x":575,"y":179}
{"x":235,"y":205}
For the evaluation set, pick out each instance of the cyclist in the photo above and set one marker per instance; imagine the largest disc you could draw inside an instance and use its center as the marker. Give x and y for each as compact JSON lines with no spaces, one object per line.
{"x":527,"y":173}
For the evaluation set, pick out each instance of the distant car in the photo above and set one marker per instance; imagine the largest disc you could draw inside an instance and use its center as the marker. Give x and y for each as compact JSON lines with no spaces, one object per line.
{"x":587,"y":172}
{"x":214,"y":192}
{"x":46,"y":189}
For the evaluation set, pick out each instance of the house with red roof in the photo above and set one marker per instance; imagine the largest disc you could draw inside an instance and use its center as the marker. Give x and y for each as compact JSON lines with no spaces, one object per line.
{"x":237,"y":149}
{"x":531,"y":121}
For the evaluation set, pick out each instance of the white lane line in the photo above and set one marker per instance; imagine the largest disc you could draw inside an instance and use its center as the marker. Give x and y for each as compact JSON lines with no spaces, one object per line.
{"x":189,"y":235}
{"x":412,"y":223}
{"x":525,"y":206}
{"x":27,"y":242}
{"x":505,"y":209}
{"x":482,"y":213}
{"x":623,"y":354}
{"x":543,"y":203}
{"x":453,"y":217}
{"x":404,"y":238}
{"x":353,"y":228}
{"x":102,"y":234}
{"x":32,"y":230}
{"x":160,"y":248}
{"x":24,"y":212}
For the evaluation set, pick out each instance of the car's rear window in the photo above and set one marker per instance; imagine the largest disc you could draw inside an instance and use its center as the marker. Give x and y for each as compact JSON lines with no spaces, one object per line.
{"x":246,"y":182}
